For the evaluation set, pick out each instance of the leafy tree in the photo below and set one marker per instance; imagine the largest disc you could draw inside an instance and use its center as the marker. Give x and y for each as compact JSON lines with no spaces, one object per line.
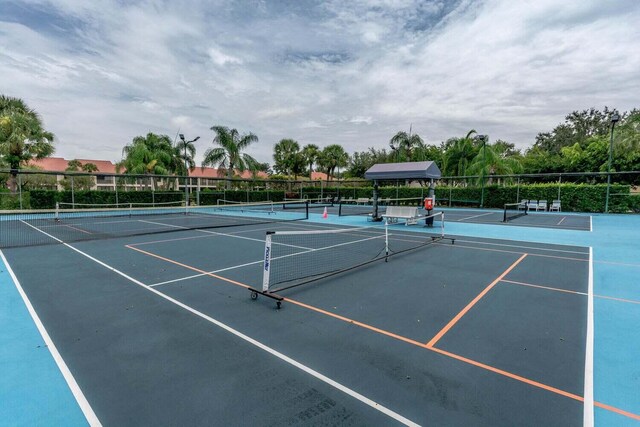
{"x":360,"y":162}
{"x":578,"y":127}
{"x":491,"y":160}
{"x":150,"y":154}
{"x":74,"y":165}
{"x":78,"y":182}
{"x":288,"y":158}
{"x":184,"y":157}
{"x":22,"y":136}
{"x":89,"y":167}
{"x":428,"y":152}
{"x":404,"y":143}
{"x":458,"y":154}
{"x":229,"y":155}
{"x":333,"y":157}
{"x":310,"y":153}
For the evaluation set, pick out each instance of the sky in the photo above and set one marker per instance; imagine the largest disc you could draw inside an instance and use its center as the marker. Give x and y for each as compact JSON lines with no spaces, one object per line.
{"x":354,"y":72}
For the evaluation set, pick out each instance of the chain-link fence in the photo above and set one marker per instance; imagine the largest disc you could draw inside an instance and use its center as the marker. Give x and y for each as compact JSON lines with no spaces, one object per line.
{"x":582,"y":192}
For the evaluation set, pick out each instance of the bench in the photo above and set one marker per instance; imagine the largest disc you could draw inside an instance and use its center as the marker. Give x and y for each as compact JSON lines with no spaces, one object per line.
{"x":362,"y":200}
{"x":410,"y":214}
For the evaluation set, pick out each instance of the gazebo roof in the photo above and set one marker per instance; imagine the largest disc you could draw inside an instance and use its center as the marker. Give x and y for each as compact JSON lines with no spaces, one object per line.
{"x":406,"y":170}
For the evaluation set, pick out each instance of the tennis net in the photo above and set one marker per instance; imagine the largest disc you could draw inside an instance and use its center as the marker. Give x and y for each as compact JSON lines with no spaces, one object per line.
{"x":311,"y":203}
{"x":364,"y":206}
{"x":27,"y":228}
{"x":295,"y":258}
{"x":514,"y":210}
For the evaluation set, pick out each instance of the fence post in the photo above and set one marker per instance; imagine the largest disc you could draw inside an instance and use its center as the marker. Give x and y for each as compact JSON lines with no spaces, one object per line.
{"x":559,"y":185}
{"x":20,"y":189}
{"x":73,"y":196}
{"x":518,"y":190}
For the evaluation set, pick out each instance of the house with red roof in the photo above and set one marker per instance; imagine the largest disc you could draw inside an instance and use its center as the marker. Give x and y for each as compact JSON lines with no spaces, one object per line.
{"x":200,"y":177}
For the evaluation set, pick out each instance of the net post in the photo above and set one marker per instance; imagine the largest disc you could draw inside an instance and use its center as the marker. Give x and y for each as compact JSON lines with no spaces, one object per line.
{"x":267,"y":262}
{"x":386,"y":240}
{"x":57,"y":218}
{"x":306,"y":209}
{"x":442,"y":224}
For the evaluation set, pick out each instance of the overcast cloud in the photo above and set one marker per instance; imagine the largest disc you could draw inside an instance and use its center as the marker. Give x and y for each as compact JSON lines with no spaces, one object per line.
{"x":350,"y":72}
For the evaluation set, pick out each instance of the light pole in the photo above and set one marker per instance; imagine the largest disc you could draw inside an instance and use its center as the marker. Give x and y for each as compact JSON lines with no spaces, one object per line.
{"x":483,"y":138}
{"x":615,"y":118}
{"x":186,"y":167}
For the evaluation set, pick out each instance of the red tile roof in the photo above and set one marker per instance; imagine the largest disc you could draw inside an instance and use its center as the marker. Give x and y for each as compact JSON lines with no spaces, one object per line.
{"x":319,"y":176}
{"x":58,"y":164}
{"x":199,"y":172}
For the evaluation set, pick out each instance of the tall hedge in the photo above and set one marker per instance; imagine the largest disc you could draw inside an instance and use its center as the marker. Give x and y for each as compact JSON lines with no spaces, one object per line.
{"x":47,"y":199}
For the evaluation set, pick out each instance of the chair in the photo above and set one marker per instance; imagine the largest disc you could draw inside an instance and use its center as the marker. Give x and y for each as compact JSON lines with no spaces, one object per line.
{"x":542,"y":205}
{"x":533,"y":205}
{"x":555,"y":206}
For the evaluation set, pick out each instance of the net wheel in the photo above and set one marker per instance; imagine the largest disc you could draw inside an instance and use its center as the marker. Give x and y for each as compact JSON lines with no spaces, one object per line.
{"x":254,"y":295}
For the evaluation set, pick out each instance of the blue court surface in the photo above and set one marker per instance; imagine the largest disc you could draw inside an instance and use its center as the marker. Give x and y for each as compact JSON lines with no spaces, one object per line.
{"x":149,"y":320}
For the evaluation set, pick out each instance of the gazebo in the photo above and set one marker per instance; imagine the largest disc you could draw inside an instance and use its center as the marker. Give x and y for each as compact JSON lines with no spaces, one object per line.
{"x":427,"y":170}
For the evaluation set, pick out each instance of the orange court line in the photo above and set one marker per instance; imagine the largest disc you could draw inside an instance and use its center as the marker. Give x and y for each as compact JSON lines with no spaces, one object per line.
{"x":631,"y":301}
{"x":409,"y":340}
{"x":473,"y":302}
{"x":189,"y":267}
{"x":617,"y":410}
{"x":78,"y":229}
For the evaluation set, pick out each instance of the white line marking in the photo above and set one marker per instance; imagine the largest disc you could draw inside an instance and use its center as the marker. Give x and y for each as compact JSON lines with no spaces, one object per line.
{"x":475,"y":216}
{"x":162,"y":224}
{"x":590,"y":223}
{"x":91,"y":417}
{"x":209,"y":272}
{"x":224,"y":234}
{"x":562,"y":220}
{"x":248,"y":339}
{"x":588,"y":417}
{"x":520,"y":246}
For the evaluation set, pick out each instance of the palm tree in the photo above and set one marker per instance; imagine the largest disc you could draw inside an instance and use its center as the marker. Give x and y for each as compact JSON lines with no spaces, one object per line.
{"x":89,"y":167}
{"x":287,"y":156}
{"x":491,"y":161}
{"x":333,"y":157}
{"x":74,"y":165}
{"x":146,"y":155}
{"x":185,"y":152}
{"x":22,"y":137}
{"x":406,"y":142}
{"x":310,"y":153}
{"x":229,"y":155}
{"x":459,"y":152}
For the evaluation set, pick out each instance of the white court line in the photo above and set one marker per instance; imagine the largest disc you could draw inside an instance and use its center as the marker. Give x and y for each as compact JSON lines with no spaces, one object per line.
{"x":305,"y":251}
{"x":223,"y":234}
{"x":91,"y":417}
{"x":475,"y":216}
{"x":522,"y":247}
{"x":562,"y":220}
{"x":248,"y":339}
{"x":209,"y":272}
{"x":588,"y":416}
{"x":590,"y":223}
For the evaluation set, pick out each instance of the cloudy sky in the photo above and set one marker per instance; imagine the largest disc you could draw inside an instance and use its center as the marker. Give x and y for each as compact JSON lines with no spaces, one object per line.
{"x":350,"y":72}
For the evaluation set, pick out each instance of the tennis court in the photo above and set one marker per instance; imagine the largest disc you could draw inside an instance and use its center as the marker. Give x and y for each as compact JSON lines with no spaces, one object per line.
{"x":151,"y":317}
